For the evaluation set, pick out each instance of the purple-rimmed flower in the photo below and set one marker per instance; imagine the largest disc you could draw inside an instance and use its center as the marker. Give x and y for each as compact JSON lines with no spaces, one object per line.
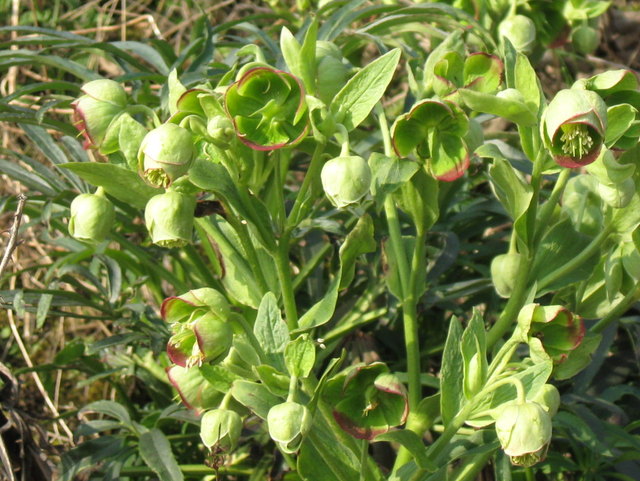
{"x":194,"y":390}
{"x":165,"y":154}
{"x":371,"y":400}
{"x":200,"y":327}
{"x":574,"y":126}
{"x":555,"y":327}
{"x":524,"y":432}
{"x":103,"y":101}
{"x":435,"y":131}
{"x":268,"y":108}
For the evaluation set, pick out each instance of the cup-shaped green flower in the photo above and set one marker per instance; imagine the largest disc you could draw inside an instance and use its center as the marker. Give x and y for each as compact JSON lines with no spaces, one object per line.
{"x":169,"y":218}
{"x":268,"y":108}
{"x":200,"y":327}
{"x":434,"y":130}
{"x":371,"y":400}
{"x":288,"y":423}
{"x":574,"y":126}
{"x":346,"y":180}
{"x":165,"y":154}
{"x":557,"y":329}
{"x":524,"y":431}
{"x":92,"y":217}
{"x":520,"y":31}
{"x":221,"y":428}
{"x":195,"y":391}
{"x":103,"y":101}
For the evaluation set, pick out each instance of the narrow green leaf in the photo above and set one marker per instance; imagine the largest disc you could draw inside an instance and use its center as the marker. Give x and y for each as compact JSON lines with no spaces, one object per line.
{"x":358,"y":97}
{"x":254,"y":396}
{"x":109,"y":408}
{"x":451,"y":373}
{"x":123,"y":184}
{"x":156,"y":451}
{"x":414,"y":445}
{"x":510,"y":109}
{"x":270,"y":329}
{"x":300,"y":356}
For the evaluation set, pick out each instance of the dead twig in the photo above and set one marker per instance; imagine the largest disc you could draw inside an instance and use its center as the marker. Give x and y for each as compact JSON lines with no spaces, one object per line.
{"x":13,"y":233}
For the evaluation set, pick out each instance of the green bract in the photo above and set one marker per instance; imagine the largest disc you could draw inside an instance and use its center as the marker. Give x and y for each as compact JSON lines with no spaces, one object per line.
{"x":92,"y":216}
{"x":331,"y":71}
{"x":524,"y":431}
{"x":103,"y":101}
{"x":574,"y":126}
{"x":371,"y":400}
{"x":169,"y":219}
{"x":268,"y":108}
{"x":521,"y":32}
{"x":165,"y":154}
{"x":346,"y":180}
{"x":288,"y":423}
{"x":221,"y":428}
{"x":435,"y":130}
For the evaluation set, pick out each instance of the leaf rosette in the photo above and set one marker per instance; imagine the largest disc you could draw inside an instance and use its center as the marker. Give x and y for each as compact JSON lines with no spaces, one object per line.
{"x":574,"y":126}
{"x":372,"y":400}
{"x":435,"y":131}
{"x":268,"y":108}
{"x":104,"y":100}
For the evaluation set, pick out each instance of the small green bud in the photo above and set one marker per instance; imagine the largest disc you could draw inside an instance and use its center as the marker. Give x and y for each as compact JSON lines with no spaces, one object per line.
{"x":346,"y":180}
{"x":288,"y":423}
{"x":504,"y":269}
{"x":521,"y":32}
{"x":221,"y":428}
{"x":524,"y":431}
{"x":165,"y":154}
{"x":220,"y":130}
{"x":585,"y":39}
{"x":92,"y":216}
{"x":169,"y":219}
{"x":103,"y":101}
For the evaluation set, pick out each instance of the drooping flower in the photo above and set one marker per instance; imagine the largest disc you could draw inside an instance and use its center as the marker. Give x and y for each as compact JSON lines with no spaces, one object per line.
{"x":346,"y":180}
{"x":221,"y":428}
{"x":165,"y":154}
{"x":169,"y":218}
{"x":288,"y":423}
{"x":103,"y":101}
{"x":92,"y":217}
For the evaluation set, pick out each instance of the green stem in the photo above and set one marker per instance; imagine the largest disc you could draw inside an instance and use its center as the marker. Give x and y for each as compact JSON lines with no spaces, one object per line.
{"x":528,"y":472}
{"x":575,"y":262}
{"x":547,"y":209}
{"x":190,"y":470}
{"x":301,"y":205}
{"x":470,"y":469}
{"x":143,"y":109}
{"x":397,"y":246}
{"x":618,"y":310}
{"x":286,"y":285}
{"x":363,"y":459}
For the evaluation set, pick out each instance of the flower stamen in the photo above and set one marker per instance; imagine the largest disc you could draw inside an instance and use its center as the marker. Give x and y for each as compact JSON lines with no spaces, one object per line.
{"x":576,"y":140}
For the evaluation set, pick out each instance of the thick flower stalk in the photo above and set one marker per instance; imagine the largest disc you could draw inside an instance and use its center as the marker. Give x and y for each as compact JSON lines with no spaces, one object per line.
{"x":435,"y":131}
{"x":169,"y":218}
{"x":371,"y":400}
{"x":165,"y":154}
{"x":94,"y":112}
{"x":268,"y":108}
{"x":524,"y":432}
{"x":200,"y":327}
{"x":574,"y":126}
{"x":92,"y":216}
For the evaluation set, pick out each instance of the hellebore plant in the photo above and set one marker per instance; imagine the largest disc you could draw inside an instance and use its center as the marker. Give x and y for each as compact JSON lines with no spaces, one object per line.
{"x":306,"y":202}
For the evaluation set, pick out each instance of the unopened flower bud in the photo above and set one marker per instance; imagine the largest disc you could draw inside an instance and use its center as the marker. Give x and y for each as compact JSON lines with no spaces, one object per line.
{"x":524,"y":431}
{"x":221,"y":428}
{"x":504,"y":269}
{"x":549,"y":398}
{"x":521,"y":32}
{"x":103,"y":101}
{"x":165,"y":154}
{"x":220,"y":129}
{"x":585,"y":39}
{"x":169,"y":219}
{"x":346,"y":180}
{"x":92,"y":216}
{"x":288,"y":423}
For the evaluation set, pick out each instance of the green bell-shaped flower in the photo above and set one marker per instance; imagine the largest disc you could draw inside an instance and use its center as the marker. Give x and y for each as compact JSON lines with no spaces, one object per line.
{"x":221,"y":428}
{"x":574,"y":126}
{"x":165,"y":154}
{"x":268,"y":108}
{"x":169,"y":218}
{"x":92,"y":216}
{"x":346,"y":180}
{"x":102,"y":103}
{"x":524,"y":431}
{"x":520,"y":31}
{"x":288,"y":423}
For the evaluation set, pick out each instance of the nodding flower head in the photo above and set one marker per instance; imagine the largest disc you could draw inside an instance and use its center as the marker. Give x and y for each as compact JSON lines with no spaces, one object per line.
{"x":165,"y":154}
{"x":103,"y":101}
{"x":574,"y":126}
